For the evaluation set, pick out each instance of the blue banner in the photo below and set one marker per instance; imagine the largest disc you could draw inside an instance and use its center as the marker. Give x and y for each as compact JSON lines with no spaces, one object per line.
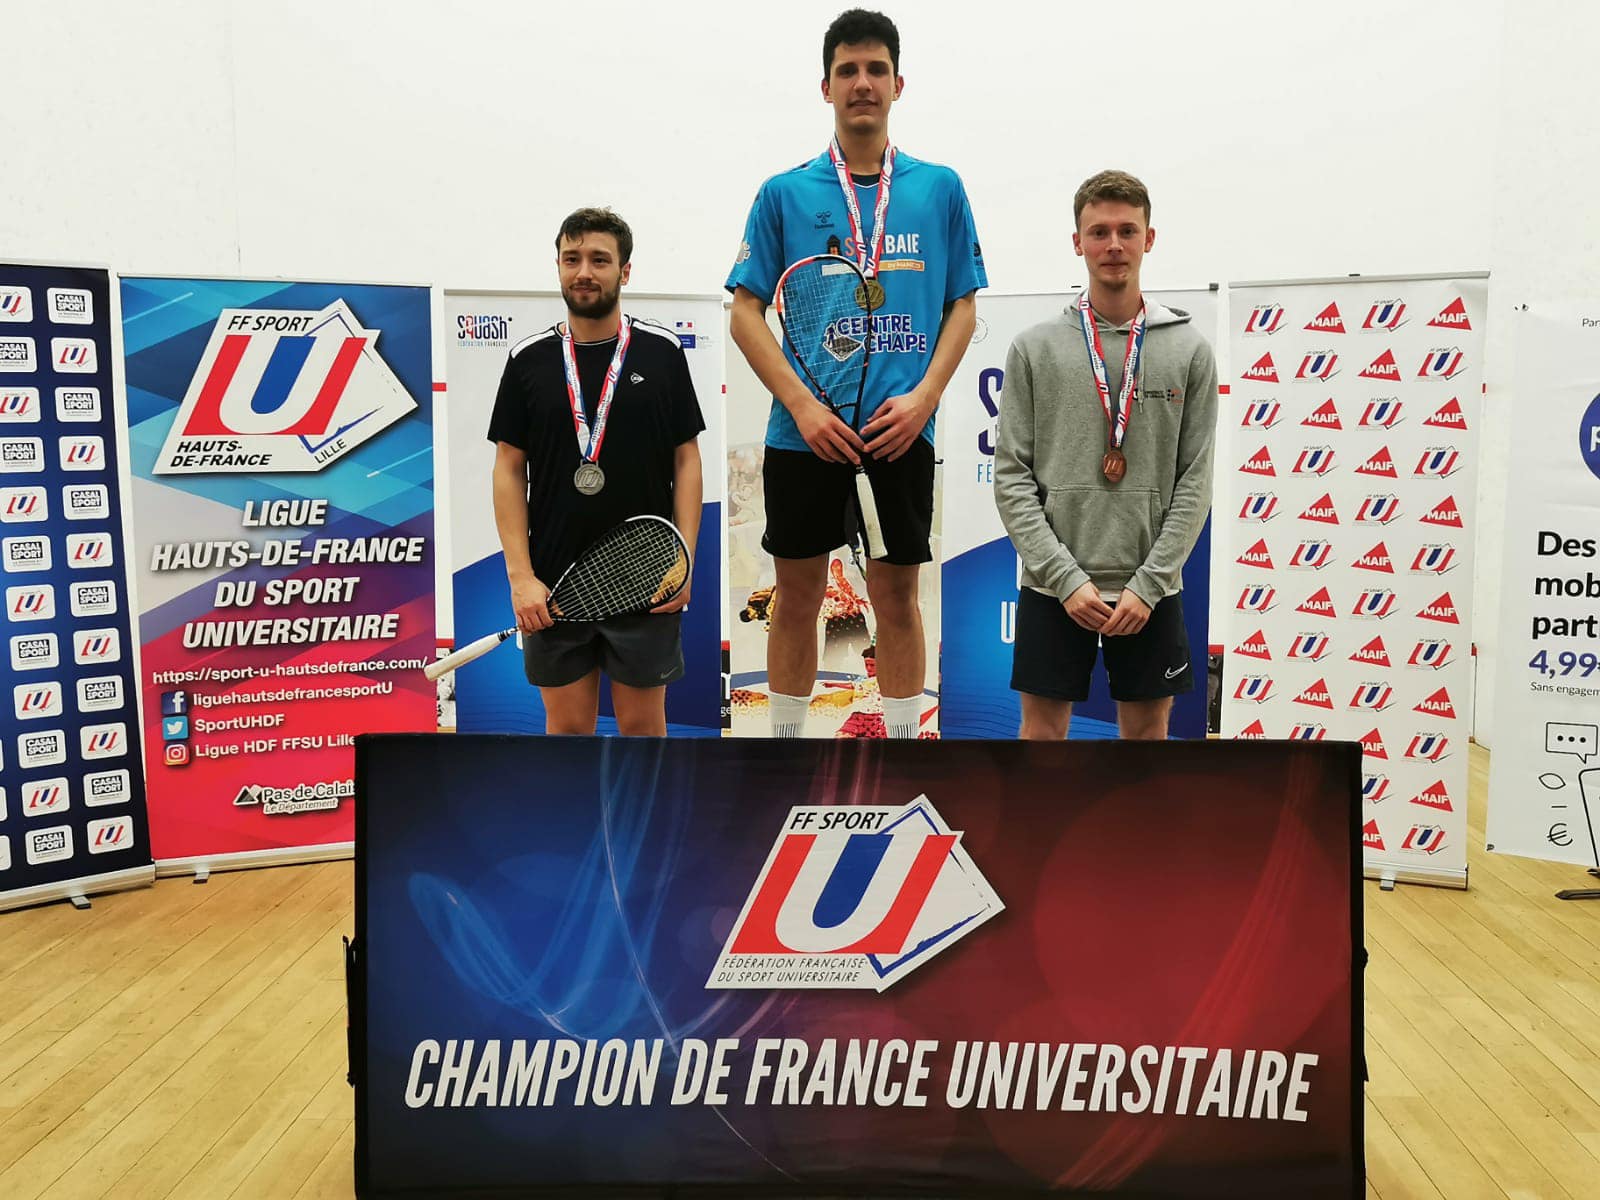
{"x":72,"y":800}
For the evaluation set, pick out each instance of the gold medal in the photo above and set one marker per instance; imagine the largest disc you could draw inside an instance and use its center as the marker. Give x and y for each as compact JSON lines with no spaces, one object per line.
{"x":869,"y":296}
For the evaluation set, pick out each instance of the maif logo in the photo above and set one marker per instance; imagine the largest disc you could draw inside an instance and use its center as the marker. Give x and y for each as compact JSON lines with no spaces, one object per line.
{"x":1327,"y":321}
{"x":1452,"y":316}
{"x":855,"y":897}
{"x":282,"y":390}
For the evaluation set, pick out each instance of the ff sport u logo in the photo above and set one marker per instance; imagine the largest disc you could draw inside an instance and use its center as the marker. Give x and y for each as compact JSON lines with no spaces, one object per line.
{"x":854,"y":897}
{"x":282,"y":390}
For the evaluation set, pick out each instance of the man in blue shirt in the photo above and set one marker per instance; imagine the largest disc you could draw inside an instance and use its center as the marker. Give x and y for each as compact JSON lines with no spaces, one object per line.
{"x":907,"y":223}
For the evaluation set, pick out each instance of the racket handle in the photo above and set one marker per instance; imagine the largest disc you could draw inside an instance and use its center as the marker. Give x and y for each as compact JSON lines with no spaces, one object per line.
{"x":871,"y":527}
{"x":467,"y":653}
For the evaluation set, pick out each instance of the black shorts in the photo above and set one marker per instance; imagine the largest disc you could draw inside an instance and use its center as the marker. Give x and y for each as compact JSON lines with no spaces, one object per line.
{"x":811,"y":503}
{"x":1053,"y":655}
{"x":643,"y":651}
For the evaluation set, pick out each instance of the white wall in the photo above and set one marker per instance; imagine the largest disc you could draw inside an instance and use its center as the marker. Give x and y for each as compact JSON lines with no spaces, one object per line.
{"x":411,"y":140}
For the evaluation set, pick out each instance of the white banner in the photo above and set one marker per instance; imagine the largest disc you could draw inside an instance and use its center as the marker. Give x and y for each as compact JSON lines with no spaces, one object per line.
{"x":980,"y":565}
{"x":1346,"y":481}
{"x":845,"y":701}
{"x":480,"y":329}
{"x":1544,"y":776}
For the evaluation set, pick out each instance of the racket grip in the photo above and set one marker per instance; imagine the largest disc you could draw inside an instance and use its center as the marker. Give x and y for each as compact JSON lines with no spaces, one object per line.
{"x":871,"y":527}
{"x":466,"y":654}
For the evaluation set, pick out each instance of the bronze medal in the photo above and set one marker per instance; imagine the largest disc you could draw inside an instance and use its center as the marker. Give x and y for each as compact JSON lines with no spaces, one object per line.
{"x":1114,"y":465}
{"x":870,"y":296}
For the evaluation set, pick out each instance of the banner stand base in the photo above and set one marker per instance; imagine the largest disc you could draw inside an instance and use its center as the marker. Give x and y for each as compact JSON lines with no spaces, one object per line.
{"x":1388,"y":874}
{"x":77,"y":890}
{"x":201,"y":865}
{"x":1581,"y":893}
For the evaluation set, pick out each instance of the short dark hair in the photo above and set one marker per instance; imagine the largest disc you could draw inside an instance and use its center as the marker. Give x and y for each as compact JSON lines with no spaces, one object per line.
{"x":857,"y":25}
{"x":1110,"y":185}
{"x":597,"y":220}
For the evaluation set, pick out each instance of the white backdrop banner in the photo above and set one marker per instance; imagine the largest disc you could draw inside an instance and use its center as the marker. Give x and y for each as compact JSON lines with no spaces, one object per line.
{"x":979,"y":563}
{"x":492,"y":694}
{"x":1544,"y":776}
{"x":1346,"y":481}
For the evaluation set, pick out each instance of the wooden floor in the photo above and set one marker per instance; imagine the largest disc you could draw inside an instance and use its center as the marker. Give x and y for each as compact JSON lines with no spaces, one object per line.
{"x":188,"y":1041}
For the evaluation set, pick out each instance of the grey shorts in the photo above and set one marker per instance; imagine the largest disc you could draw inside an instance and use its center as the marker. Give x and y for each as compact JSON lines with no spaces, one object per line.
{"x":643,"y":651}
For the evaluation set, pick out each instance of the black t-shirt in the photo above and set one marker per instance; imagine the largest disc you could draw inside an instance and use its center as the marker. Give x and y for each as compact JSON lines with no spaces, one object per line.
{"x":654,"y":412}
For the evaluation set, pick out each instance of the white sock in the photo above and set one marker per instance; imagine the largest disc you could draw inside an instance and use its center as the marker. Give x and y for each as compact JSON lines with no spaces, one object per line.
{"x":902,"y":715}
{"x":788,"y":714}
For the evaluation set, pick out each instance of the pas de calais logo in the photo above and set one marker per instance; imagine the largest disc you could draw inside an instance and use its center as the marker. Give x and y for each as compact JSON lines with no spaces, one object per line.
{"x":1264,"y":318}
{"x":854,"y":897}
{"x":282,"y":390}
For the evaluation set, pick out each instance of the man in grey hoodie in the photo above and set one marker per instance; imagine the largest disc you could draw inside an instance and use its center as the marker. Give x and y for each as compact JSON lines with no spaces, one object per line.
{"x":1103,"y":479}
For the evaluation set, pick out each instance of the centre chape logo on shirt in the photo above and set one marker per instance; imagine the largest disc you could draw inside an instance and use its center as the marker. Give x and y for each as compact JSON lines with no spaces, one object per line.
{"x":855,"y":897}
{"x":283,"y":390}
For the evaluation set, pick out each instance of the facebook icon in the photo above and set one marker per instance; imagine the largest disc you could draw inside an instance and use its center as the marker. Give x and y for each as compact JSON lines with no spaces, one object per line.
{"x":174,"y":704}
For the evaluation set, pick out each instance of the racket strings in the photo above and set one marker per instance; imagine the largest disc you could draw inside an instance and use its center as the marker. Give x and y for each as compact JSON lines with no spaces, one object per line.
{"x":632,"y":569}
{"x":826,"y":325}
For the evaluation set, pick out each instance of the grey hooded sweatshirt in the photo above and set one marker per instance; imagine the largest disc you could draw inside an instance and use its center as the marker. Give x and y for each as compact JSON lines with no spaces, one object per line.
{"x":1069,"y":524}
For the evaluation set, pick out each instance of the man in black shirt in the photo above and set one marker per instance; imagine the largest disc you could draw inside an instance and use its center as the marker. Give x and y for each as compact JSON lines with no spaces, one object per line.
{"x":595,"y":422}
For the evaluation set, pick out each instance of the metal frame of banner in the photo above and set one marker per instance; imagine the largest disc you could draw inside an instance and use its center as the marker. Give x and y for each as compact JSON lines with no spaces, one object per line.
{"x":201,"y":865}
{"x":78,"y":890}
{"x":1432,"y":277}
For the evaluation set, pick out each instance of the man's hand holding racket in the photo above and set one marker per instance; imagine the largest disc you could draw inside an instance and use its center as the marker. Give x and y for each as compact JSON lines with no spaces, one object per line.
{"x":828,"y":435}
{"x":530,"y":601}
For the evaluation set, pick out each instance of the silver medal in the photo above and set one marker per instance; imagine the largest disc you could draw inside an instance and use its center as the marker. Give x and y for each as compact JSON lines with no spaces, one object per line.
{"x":589,"y":479}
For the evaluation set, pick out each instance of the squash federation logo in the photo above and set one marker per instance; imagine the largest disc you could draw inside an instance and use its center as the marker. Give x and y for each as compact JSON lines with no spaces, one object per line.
{"x":282,"y":390}
{"x":855,"y":897}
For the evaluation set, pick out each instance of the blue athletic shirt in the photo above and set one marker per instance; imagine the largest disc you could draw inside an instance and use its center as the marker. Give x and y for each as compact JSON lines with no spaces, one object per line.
{"x":931,"y":256}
